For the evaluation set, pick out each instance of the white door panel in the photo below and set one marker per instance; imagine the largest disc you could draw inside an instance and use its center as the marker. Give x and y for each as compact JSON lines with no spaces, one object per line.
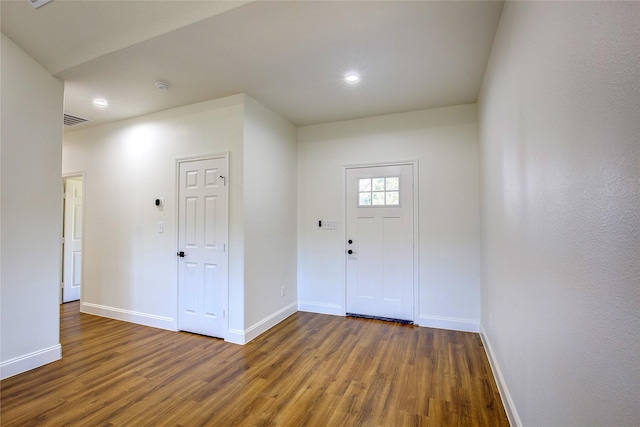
{"x":202,"y":222}
{"x":72,"y":254}
{"x":380,"y":238}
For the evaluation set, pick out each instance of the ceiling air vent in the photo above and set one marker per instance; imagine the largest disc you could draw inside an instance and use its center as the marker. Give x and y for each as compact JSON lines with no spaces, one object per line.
{"x":70,"y":120}
{"x":37,"y":3}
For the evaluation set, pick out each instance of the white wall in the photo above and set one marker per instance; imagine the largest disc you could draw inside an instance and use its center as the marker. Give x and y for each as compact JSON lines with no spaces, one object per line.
{"x":129,"y":269}
{"x":560,"y":160}
{"x":269,"y":218}
{"x":445,"y":143}
{"x":31,"y":212}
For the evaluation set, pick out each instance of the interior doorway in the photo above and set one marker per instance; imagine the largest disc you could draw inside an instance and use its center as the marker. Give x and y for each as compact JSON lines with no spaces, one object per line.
{"x":72,"y":232}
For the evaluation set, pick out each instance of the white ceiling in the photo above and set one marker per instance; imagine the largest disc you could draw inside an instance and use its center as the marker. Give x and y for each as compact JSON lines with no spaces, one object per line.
{"x":291,"y":56}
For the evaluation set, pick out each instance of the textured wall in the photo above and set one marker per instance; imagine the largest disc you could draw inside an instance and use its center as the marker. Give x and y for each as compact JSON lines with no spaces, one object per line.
{"x":560,"y":163}
{"x":129,"y":269}
{"x":444,"y":141}
{"x":269,"y":165}
{"x":31,"y":214}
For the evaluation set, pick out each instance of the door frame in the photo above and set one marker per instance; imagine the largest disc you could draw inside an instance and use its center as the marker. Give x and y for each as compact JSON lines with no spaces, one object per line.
{"x":65,"y":176}
{"x":416,"y":231}
{"x":179,"y":160}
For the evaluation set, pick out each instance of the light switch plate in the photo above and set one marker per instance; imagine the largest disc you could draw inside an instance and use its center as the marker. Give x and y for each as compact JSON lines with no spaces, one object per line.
{"x":329,"y":225}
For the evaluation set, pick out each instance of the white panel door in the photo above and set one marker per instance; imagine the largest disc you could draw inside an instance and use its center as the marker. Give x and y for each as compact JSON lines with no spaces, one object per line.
{"x":202,"y":252}
{"x":72,"y":254}
{"x":379,"y":246}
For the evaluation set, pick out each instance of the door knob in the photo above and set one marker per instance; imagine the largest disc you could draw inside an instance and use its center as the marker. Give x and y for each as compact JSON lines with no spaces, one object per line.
{"x":350,"y":241}
{"x":350,"y":252}
{"x":180,"y":254}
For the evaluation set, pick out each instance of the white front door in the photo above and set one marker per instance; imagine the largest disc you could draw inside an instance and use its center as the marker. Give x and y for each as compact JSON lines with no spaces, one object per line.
{"x":202,"y":251}
{"x":379,"y":246}
{"x":72,"y":254}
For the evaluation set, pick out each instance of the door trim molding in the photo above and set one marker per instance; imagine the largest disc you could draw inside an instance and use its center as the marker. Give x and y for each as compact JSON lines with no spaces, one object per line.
{"x":416,"y":230}
{"x":179,"y":160}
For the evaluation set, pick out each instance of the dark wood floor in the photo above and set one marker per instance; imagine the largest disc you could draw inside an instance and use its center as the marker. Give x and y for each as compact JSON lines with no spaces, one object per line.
{"x":310,"y":370}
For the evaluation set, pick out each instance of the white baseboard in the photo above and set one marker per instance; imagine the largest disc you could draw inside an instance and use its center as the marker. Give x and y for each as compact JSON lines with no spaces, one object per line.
{"x":21,"y":364}
{"x":321,"y":308}
{"x":130,"y":316}
{"x":509,"y":407}
{"x":242,"y":337}
{"x":235,"y":336}
{"x":451,"y":323}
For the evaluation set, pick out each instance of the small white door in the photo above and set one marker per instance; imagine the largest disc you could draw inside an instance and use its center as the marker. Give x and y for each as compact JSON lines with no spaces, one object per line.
{"x":379,"y":246}
{"x":202,"y":252}
{"x":72,"y":229}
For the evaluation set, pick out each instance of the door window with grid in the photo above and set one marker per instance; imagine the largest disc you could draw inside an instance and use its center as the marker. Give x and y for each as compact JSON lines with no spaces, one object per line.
{"x":381,"y":191}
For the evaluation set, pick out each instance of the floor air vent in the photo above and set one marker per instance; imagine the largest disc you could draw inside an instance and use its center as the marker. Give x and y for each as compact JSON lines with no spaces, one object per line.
{"x":70,"y":120}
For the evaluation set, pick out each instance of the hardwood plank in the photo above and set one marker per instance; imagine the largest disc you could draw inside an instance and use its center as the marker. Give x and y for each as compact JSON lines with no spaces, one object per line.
{"x":310,"y":370}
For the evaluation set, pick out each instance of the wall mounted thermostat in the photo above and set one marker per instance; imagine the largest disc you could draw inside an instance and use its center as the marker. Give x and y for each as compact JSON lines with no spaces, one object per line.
{"x":159,"y":203}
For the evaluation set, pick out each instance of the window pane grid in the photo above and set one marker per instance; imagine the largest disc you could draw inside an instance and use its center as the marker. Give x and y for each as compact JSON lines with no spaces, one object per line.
{"x":380,"y":191}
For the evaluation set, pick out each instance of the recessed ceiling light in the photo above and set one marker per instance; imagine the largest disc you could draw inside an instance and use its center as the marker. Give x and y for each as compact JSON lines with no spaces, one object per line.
{"x":352,"y":78}
{"x":100,"y":102}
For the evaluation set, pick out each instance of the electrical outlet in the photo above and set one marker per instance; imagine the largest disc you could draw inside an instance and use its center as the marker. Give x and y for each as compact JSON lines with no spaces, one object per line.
{"x":282,"y":290}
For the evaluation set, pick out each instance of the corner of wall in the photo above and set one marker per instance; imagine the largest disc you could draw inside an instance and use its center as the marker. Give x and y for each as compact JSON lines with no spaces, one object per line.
{"x":31,"y":212}
{"x":242,"y":337}
{"x":269,"y":220}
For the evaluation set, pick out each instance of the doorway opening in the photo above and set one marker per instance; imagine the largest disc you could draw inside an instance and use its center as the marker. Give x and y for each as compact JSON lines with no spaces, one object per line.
{"x":72,"y":233}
